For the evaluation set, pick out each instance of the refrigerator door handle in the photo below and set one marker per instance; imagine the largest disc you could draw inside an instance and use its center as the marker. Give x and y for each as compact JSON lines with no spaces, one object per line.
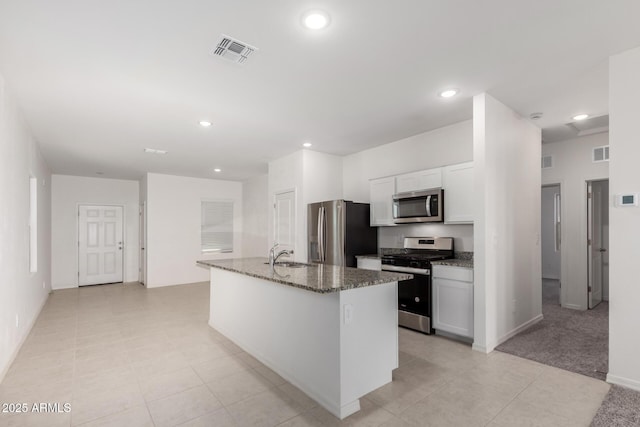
{"x":428,"y":205}
{"x":321,"y":234}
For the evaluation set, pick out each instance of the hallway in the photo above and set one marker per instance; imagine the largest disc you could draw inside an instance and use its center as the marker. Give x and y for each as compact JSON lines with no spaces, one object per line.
{"x":574,"y":340}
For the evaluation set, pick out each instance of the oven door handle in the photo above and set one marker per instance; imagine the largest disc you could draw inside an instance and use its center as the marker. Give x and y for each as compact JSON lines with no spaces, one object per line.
{"x":428,"y":205}
{"x":410,"y":270}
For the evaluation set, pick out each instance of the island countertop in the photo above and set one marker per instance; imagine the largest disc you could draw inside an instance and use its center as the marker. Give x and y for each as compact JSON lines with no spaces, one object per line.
{"x":319,"y":278}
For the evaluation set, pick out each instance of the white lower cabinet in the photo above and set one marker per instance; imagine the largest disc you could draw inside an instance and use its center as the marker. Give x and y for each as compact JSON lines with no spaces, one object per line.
{"x":369,"y":263}
{"x":453,"y":300}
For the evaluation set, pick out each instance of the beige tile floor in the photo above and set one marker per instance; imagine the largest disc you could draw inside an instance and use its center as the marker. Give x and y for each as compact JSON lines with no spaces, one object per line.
{"x":123,"y":355}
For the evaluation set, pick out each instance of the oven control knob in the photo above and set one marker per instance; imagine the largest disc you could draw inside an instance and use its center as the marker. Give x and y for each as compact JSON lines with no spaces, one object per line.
{"x":417,"y":299}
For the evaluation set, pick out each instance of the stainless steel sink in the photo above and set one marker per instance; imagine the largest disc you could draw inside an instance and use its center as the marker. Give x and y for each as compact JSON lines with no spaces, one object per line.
{"x":291,"y":264}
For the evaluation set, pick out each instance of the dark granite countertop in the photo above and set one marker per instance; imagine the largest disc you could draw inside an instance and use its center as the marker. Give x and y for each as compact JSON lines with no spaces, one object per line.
{"x":455,"y":262}
{"x":316,"y":278}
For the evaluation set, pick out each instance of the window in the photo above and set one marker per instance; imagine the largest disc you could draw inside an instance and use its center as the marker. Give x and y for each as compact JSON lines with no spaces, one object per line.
{"x":33,"y":224}
{"x":601,"y":154}
{"x":216,"y":233}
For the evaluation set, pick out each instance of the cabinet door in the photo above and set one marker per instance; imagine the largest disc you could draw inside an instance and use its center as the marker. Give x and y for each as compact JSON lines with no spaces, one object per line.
{"x":381,"y":193}
{"x":453,"y":306}
{"x":422,"y":180}
{"x":458,"y":193}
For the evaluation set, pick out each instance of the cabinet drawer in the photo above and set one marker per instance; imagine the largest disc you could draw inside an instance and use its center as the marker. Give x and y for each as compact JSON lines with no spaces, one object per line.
{"x":370,"y":263}
{"x":462,"y":274}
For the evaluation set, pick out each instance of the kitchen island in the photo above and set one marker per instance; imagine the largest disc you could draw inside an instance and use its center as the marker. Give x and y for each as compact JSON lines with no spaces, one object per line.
{"x":330,"y":331}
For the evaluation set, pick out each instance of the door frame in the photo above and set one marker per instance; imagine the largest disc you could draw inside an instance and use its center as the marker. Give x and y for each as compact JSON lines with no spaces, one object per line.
{"x":563,"y":238}
{"x":124,"y":237}
{"x":589,"y":233}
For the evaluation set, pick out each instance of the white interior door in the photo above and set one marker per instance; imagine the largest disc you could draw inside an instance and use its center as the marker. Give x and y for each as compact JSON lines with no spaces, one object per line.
{"x":143,"y":243}
{"x":594,"y":240}
{"x":100,"y":244}
{"x":285,"y":220}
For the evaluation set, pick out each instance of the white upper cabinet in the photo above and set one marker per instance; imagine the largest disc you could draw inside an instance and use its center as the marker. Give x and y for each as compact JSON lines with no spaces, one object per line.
{"x":422,"y":180}
{"x":457,"y":181}
{"x":381,"y":193}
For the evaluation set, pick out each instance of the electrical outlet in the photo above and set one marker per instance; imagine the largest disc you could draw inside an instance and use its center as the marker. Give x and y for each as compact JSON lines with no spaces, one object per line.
{"x":17,"y":321}
{"x":348,"y":314}
{"x":44,"y":285}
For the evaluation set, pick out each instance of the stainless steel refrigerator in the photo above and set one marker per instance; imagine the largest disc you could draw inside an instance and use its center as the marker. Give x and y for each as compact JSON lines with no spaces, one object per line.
{"x":338,"y":230}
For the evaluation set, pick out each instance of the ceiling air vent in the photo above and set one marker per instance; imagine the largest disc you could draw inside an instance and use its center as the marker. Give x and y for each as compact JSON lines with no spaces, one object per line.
{"x":233,"y":50}
{"x":601,"y":154}
{"x":547,"y":162}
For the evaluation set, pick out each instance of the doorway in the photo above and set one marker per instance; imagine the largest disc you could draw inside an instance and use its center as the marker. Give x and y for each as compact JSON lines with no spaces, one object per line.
{"x":597,"y":242}
{"x":100,"y":244}
{"x":550,"y":231}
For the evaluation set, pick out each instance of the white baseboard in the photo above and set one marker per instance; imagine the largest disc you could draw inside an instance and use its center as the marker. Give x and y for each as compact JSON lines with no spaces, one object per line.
{"x":61,"y":287}
{"x":14,"y":354}
{"x":573,"y":307}
{"x":519,"y":329}
{"x":624,"y":382}
{"x":480,"y":348}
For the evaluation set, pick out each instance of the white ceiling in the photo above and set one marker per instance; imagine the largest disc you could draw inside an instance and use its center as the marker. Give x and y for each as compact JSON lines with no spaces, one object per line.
{"x":100,"y":81}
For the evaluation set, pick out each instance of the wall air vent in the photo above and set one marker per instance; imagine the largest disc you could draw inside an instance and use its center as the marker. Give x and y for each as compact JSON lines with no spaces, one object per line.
{"x":547,"y":162}
{"x":601,"y":154}
{"x":233,"y":50}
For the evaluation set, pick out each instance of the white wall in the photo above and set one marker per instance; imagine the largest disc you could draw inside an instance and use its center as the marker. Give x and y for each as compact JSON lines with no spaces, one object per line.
{"x":173,"y":226}
{"x":550,"y":256}
{"x":444,"y":146}
{"x":70,"y":191}
{"x":255,"y":219}
{"x":572,"y":168}
{"x":315,"y":177}
{"x":22,"y":294}
{"x":507,"y":273}
{"x":440,"y":147}
{"x":604,"y":185}
{"x":624,"y":223}
{"x":285,"y":174}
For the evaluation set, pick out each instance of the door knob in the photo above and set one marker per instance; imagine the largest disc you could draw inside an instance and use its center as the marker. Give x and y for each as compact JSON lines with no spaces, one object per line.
{"x":602,"y":250}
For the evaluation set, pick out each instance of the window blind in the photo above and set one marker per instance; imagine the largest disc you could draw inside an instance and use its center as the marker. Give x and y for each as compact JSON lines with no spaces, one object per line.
{"x":217,"y":226}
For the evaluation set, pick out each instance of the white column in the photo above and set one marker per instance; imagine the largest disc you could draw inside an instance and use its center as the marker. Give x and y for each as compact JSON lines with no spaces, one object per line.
{"x":507,"y":276}
{"x":624,"y":222}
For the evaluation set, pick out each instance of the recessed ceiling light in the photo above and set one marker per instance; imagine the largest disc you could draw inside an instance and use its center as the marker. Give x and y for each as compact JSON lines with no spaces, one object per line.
{"x":155,"y":151}
{"x":315,"y":19}
{"x":217,"y":170}
{"x":205,"y":123}
{"x":580,"y":116}
{"x":307,"y":144}
{"x":448,"y":93}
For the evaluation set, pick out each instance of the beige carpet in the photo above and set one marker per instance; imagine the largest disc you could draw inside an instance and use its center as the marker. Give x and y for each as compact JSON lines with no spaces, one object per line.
{"x":620,"y":408}
{"x":574,"y":340}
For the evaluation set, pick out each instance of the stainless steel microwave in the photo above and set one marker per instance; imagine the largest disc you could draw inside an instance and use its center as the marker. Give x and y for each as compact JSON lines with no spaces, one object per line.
{"x":418,"y":206}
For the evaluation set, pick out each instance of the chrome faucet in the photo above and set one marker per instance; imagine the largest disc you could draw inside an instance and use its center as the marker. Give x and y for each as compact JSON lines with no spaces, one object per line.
{"x":273,"y":257}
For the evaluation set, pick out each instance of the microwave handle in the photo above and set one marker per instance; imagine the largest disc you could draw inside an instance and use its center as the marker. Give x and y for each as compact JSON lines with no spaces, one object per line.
{"x":428,"y":205}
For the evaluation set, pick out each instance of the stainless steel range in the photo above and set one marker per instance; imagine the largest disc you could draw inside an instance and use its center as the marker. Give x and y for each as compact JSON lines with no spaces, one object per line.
{"x":414,"y":296}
